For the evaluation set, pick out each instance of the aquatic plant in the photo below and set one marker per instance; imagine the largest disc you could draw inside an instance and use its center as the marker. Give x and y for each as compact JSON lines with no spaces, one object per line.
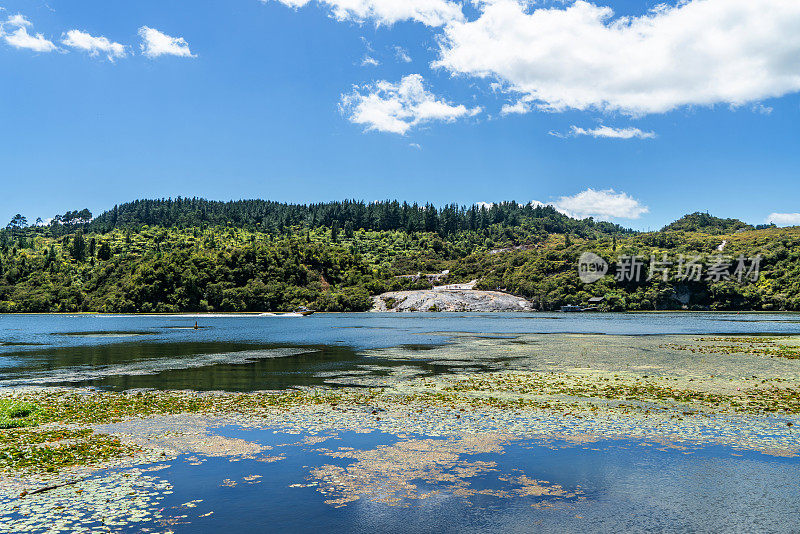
{"x":16,"y":414}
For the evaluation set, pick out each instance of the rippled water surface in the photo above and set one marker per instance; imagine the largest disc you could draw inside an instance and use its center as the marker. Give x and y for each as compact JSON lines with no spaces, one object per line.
{"x":341,"y":480}
{"x":250,"y":352}
{"x":618,"y":486}
{"x":517,"y":486}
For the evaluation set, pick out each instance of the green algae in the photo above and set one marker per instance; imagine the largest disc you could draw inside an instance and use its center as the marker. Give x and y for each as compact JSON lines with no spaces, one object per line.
{"x":758,"y":346}
{"x":16,"y":414}
{"x":53,"y":450}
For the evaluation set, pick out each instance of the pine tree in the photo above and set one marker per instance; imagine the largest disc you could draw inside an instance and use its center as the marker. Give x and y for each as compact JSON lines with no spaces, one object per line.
{"x":104,"y":252}
{"x":79,"y":247}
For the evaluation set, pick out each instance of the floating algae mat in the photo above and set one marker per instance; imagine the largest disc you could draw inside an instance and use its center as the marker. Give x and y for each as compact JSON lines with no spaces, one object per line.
{"x":377,"y":482}
{"x":401,"y":423}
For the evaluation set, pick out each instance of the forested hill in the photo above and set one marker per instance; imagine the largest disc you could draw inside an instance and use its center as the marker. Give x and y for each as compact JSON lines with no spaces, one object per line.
{"x":198,"y":255}
{"x":353,"y":215}
{"x":706,"y":223}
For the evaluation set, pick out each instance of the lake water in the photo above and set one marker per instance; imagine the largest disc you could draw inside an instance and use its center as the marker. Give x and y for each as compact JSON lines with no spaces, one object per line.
{"x":601,"y":487}
{"x":519,"y":486}
{"x":344,"y":481}
{"x":249,"y":352}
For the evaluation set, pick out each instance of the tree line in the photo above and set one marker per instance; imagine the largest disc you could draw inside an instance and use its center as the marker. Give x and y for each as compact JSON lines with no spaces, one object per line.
{"x":196,"y":255}
{"x":346,"y":216}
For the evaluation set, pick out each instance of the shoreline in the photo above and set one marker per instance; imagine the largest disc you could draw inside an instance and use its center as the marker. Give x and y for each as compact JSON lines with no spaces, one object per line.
{"x":415,"y":313}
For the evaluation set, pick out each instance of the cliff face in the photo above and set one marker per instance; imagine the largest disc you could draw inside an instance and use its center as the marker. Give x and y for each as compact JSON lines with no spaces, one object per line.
{"x":459,"y":300}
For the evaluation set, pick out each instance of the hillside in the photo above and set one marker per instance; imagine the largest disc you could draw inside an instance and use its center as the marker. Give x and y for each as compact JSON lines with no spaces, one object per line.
{"x":708,"y":224}
{"x":318,"y":257}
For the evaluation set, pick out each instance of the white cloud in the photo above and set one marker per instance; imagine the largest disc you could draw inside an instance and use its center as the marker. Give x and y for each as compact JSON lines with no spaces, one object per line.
{"x":402,"y":54}
{"x":20,"y":38}
{"x":607,"y":132}
{"x":370,"y":61}
{"x":519,"y":107}
{"x":155,"y":44}
{"x":784,"y":219}
{"x":388,"y":12}
{"x":396,"y":108}
{"x":93,"y":45}
{"x":696,"y":52}
{"x":17,"y":20}
{"x":415,"y":145}
{"x":606,"y":204}
{"x":761,"y":108}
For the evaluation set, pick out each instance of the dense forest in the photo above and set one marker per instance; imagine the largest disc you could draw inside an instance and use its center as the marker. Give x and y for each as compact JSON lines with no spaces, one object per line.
{"x":197,"y":255}
{"x":274,"y":217}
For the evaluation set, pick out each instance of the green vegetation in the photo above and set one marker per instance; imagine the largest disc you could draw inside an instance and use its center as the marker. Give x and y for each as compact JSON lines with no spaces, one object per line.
{"x":761,"y":346}
{"x":53,"y":450}
{"x":708,"y":224}
{"x":16,"y":414}
{"x":197,"y":255}
{"x":272,"y":217}
{"x":59,"y":434}
{"x":774,"y":399}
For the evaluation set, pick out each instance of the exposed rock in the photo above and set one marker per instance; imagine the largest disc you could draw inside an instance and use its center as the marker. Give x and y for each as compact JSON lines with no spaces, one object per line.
{"x":449,"y":300}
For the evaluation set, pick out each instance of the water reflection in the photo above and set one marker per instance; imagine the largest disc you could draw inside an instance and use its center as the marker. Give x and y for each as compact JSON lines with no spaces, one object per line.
{"x":600,"y":487}
{"x":239,"y":353}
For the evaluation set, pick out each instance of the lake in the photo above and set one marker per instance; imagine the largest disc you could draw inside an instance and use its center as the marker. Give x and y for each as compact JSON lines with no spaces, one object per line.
{"x":250,"y":352}
{"x":383,"y":465}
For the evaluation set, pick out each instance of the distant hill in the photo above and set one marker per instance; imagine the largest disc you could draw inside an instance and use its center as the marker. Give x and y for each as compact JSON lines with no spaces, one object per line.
{"x":348,"y":215}
{"x":253,"y":255}
{"x":707,"y":224}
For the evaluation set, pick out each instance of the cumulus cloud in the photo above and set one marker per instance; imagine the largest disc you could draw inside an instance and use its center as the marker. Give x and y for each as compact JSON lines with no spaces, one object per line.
{"x":784,"y":219}
{"x":388,"y":107}
{"x":429,"y":12}
{"x":695,"y":52}
{"x":606,"y":132}
{"x":519,"y":107}
{"x":155,"y":44}
{"x":93,"y":45}
{"x":605,"y":204}
{"x":18,"y":37}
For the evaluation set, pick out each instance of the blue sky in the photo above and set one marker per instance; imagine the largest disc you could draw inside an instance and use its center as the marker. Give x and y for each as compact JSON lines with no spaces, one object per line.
{"x":249,"y":99}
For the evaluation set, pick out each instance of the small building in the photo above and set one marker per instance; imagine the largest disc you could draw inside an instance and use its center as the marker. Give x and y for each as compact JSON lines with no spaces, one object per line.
{"x":596,"y":301}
